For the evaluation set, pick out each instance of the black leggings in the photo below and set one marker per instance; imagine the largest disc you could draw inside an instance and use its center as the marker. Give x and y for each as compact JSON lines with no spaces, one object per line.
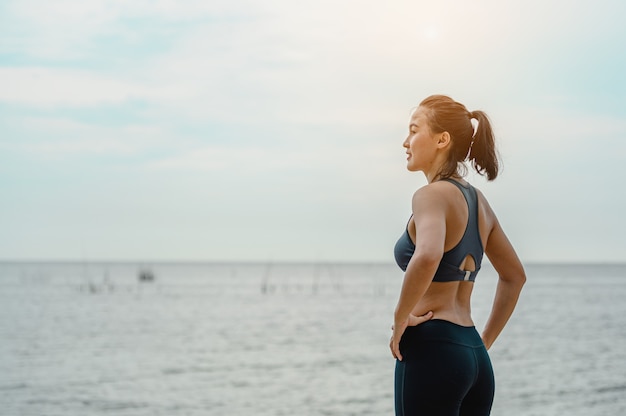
{"x":445,"y":371}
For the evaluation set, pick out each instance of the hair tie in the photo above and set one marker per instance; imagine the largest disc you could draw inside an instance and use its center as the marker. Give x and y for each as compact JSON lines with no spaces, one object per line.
{"x":474,"y":122}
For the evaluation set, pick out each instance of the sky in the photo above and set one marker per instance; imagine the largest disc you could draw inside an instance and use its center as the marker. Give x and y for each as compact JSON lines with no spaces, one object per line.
{"x":241,"y":130}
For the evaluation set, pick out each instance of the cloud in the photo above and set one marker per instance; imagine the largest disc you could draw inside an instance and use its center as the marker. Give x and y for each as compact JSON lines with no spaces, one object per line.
{"x":302,"y":107}
{"x":75,"y":88}
{"x":68,"y":29}
{"x":286,"y":62}
{"x":63,"y":138}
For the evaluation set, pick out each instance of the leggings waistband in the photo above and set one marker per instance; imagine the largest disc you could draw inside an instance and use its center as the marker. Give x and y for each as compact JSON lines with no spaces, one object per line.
{"x":443,"y":331}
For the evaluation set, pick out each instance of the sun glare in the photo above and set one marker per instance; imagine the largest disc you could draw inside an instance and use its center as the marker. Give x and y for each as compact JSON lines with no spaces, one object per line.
{"x":431,"y":33}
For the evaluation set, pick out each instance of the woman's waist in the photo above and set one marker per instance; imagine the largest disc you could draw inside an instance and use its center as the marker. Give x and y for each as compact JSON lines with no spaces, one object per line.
{"x":447,"y":310}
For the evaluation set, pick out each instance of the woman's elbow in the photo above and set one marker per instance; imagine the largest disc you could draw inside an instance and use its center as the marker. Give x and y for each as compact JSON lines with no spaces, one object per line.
{"x":517,"y":277}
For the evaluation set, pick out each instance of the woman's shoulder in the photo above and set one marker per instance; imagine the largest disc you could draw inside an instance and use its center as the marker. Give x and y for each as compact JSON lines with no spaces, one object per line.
{"x":438,"y":189}
{"x":446,"y":194}
{"x":428,"y":190}
{"x":483,"y":205}
{"x":482,"y":199}
{"x":434,"y":194}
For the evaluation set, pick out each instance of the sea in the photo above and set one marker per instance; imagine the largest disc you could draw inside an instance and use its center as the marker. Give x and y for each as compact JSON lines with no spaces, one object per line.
{"x":270,"y":339}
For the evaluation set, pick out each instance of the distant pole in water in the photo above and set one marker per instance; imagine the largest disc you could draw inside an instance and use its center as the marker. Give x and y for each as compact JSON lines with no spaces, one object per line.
{"x":316,"y":278}
{"x":336,"y":278}
{"x":265,"y":278}
{"x":146,"y":275}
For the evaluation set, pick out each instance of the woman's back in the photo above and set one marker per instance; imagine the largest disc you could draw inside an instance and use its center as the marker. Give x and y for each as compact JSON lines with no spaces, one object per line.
{"x":450,"y":300}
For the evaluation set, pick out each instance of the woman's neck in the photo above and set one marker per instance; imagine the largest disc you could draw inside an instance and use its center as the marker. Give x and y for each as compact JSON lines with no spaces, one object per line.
{"x":434,"y":177}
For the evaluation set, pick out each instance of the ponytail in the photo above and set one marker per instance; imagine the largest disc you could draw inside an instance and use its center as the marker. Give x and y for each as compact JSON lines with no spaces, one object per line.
{"x":482,"y":152}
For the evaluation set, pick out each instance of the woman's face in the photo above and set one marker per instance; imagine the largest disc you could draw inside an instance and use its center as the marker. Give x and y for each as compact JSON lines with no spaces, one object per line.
{"x":421,"y":144}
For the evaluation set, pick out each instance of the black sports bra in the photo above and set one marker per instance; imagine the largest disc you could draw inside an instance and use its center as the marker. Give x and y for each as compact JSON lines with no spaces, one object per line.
{"x":470,"y":244}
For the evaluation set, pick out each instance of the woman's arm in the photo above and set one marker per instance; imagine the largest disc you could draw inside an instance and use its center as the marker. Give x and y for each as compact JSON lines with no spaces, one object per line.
{"x":430,"y":233}
{"x":512,"y":277}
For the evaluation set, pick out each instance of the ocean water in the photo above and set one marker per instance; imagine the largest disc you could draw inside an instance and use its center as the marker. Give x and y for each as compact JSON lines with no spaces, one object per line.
{"x":285,"y":339}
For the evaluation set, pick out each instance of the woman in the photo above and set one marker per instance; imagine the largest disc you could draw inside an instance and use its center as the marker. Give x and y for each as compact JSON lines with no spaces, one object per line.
{"x":442,"y":365}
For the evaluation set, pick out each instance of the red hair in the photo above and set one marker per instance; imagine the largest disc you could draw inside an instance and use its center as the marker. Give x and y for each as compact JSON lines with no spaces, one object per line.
{"x":446,"y":115}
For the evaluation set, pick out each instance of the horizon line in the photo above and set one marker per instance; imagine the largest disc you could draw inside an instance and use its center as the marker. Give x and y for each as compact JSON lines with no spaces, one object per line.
{"x":283,"y":261}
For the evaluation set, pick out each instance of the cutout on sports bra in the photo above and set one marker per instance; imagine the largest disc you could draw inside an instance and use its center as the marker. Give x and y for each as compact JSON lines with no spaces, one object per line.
{"x":468,"y":264}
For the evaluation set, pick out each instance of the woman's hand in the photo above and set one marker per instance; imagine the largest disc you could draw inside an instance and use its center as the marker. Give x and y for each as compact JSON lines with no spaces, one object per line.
{"x":400,"y":327}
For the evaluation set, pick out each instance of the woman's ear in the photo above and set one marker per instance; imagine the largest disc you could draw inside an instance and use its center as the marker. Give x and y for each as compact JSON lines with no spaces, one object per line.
{"x":443,"y":140}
